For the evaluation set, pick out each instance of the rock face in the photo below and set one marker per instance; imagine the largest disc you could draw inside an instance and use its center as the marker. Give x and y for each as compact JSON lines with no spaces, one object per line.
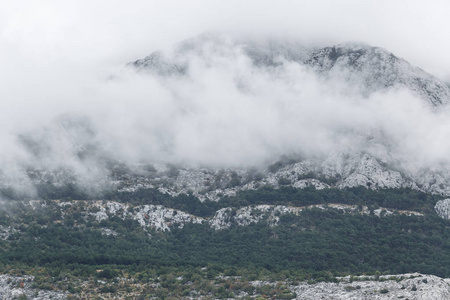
{"x":412,"y":286}
{"x":375,"y":69}
{"x":148,"y":216}
{"x":339,"y":170}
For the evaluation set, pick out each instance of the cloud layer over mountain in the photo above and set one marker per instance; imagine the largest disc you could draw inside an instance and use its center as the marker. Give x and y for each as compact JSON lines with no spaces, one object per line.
{"x":226,"y":111}
{"x":68,"y":100}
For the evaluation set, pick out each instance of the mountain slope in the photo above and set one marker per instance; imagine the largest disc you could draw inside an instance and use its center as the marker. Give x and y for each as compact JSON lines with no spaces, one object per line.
{"x":214,"y":135}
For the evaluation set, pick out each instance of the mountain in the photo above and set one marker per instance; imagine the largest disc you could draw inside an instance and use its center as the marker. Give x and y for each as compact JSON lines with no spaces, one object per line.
{"x":348,"y":188}
{"x":72,"y":153}
{"x":369,"y":68}
{"x":371,"y":159}
{"x":377,"y":69}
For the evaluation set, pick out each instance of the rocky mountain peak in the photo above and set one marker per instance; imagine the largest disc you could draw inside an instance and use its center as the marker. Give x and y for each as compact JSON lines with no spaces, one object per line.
{"x":369,"y":69}
{"x":376,"y":69}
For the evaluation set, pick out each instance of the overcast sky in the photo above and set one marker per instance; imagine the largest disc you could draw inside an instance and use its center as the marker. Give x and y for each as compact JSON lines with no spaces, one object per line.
{"x":116,"y":31}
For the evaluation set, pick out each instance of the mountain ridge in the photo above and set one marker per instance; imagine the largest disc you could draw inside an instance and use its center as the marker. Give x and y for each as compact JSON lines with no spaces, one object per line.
{"x":377,"y":68}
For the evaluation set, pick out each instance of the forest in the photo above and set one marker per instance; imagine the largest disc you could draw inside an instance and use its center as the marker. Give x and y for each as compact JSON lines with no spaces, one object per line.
{"x":314,"y":241}
{"x":315,"y":245}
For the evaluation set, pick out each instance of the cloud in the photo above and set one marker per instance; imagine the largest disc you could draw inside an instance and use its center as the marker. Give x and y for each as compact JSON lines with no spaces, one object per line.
{"x":66,"y":90}
{"x":225,"y":112}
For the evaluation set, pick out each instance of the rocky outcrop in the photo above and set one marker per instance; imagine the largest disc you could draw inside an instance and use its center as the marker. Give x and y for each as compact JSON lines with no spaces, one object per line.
{"x":339,"y":170}
{"x":6,"y":231}
{"x":442,"y":208}
{"x":20,"y":287}
{"x":407,"y":286}
{"x":152,"y":216}
{"x":413,"y":286}
{"x":227,"y":217}
{"x":160,"y":218}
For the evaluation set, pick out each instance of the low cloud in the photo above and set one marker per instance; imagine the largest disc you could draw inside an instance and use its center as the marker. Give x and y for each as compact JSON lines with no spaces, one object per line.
{"x":224,"y":112}
{"x":69,"y":102}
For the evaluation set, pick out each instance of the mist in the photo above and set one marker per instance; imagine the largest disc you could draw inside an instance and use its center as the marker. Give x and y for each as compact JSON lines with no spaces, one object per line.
{"x":68,"y":100}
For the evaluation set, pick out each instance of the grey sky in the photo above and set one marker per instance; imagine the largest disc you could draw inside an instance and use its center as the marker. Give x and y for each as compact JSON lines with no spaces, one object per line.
{"x":93,"y":32}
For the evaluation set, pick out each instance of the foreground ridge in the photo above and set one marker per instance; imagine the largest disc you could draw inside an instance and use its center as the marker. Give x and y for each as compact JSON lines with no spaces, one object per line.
{"x":402,"y":286}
